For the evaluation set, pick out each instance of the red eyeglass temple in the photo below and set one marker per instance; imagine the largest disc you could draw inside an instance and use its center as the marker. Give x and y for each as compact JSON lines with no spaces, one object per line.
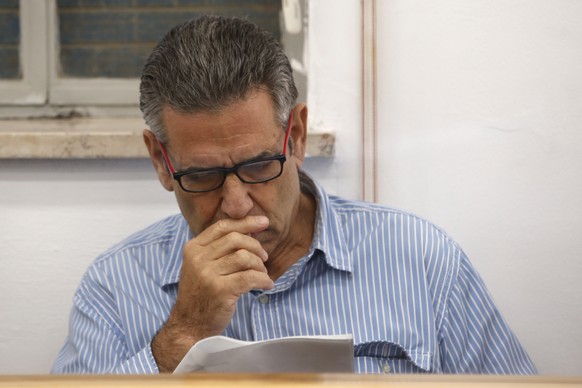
{"x":168,"y":163}
{"x":287,"y":134}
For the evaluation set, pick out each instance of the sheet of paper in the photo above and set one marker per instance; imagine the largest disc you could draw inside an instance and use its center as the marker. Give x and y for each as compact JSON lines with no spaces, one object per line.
{"x":310,"y":354}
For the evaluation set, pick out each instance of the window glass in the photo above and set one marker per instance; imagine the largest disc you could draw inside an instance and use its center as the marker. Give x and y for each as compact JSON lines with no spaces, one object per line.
{"x":112,"y":38}
{"x":9,"y":40}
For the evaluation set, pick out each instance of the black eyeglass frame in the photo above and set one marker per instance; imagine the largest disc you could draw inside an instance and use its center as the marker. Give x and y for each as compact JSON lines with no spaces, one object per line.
{"x":177,"y":175}
{"x":234,"y":170}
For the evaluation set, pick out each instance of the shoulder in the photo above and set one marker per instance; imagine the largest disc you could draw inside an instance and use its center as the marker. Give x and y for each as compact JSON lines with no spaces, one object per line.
{"x":402,"y":245}
{"x":146,"y":253}
{"x":398,"y":235}
{"x":398,"y":220}
{"x":160,"y":233}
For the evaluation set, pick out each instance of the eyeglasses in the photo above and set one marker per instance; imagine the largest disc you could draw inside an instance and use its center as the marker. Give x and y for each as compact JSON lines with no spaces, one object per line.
{"x":258,"y":170}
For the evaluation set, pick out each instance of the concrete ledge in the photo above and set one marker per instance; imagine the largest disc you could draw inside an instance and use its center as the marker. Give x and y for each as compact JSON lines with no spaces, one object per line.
{"x":86,"y":138}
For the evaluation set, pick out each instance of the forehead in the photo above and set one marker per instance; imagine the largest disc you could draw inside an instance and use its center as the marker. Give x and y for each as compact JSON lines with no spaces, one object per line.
{"x":236,"y":132}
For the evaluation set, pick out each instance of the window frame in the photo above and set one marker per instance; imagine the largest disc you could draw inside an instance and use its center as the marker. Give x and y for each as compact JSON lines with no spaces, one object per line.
{"x":40,"y":83}
{"x":31,"y":88}
{"x":83,"y":91}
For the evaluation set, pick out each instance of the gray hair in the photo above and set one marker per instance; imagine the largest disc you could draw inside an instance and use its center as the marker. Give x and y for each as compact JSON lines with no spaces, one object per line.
{"x":208,"y":63}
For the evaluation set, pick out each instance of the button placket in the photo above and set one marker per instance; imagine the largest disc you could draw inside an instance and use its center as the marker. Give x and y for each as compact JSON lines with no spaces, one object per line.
{"x":261,"y":316}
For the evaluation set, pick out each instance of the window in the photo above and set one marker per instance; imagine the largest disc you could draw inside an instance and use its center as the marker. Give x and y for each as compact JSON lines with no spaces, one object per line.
{"x":57,"y":53}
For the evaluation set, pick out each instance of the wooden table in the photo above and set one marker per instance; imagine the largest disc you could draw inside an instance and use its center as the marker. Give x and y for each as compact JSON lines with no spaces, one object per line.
{"x":288,"y":380}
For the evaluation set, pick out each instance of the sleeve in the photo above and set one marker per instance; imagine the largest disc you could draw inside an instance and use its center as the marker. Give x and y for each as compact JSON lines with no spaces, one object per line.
{"x":96,"y":342}
{"x":475,"y":338}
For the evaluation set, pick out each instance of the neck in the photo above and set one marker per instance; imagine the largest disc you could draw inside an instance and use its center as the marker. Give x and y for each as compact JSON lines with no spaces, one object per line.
{"x":299,"y":241}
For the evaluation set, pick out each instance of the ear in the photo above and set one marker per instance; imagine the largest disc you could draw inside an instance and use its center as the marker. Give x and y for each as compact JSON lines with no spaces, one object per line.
{"x":157,"y":158}
{"x":299,"y":133}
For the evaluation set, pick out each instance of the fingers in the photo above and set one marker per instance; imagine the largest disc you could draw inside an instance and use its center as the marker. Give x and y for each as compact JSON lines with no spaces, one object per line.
{"x":238,"y":272}
{"x":241,"y":272}
{"x":234,"y":242}
{"x":228,"y":236}
{"x":226,"y":248}
{"x":250,"y":224}
{"x":245,"y":281}
{"x":241,"y":260}
{"x":233,"y":285}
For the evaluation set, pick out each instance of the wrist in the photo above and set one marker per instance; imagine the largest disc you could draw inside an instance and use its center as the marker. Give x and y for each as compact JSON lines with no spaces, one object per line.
{"x":169,"y":346}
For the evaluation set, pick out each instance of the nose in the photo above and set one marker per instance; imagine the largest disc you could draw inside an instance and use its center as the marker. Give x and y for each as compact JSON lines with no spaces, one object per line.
{"x":236,"y":201}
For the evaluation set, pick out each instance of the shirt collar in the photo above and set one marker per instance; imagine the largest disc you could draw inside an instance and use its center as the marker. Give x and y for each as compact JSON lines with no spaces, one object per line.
{"x":330,"y":236}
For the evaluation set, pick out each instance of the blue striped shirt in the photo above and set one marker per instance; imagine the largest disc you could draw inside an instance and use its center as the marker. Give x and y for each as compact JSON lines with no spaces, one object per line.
{"x":404,"y":290}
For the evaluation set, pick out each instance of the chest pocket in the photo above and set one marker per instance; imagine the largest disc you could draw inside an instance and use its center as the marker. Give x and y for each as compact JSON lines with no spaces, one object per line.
{"x":386,"y":357}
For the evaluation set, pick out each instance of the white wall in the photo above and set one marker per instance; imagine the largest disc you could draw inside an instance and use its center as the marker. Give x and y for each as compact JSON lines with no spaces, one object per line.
{"x":57,"y":215}
{"x":481,"y":132}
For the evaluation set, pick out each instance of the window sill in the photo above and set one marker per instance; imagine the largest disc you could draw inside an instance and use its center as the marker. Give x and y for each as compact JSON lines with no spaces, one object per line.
{"x":94,"y":138}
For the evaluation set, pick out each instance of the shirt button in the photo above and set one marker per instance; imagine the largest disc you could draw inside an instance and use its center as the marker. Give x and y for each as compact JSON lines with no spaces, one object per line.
{"x":264,"y":299}
{"x":386,"y":369}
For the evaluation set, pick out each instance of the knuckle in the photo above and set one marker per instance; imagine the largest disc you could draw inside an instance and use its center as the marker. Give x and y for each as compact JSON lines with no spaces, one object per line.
{"x":190,"y":247}
{"x":215,"y":287}
{"x":243,"y":253}
{"x":233,"y":235}
{"x":243,"y":281}
{"x":192,"y":256}
{"x":223,"y":225}
{"x":236,"y":240}
{"x":249,"y":261}
{"x":193,"y":248}
{"x":205,"y":273}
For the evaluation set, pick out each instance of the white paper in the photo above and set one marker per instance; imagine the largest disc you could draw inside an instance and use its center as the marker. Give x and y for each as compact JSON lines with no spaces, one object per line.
{"x":309,"y":354}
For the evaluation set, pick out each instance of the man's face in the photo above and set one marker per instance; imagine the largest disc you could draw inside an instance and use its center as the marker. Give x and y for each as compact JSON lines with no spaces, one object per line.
{"x":241,"y":132}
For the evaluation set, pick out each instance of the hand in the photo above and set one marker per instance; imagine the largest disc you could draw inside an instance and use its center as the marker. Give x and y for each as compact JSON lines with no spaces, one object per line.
{"x":219,"y":265}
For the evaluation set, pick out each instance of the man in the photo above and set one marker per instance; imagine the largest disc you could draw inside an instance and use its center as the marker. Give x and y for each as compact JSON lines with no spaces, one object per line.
{"x":259,"y":250}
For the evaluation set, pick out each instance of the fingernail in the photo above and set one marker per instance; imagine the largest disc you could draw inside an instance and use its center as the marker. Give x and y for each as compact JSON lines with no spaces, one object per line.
{"x":262,"y":221}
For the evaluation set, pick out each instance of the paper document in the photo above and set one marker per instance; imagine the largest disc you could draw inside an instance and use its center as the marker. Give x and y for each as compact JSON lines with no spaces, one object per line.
{"x":312,"y":354}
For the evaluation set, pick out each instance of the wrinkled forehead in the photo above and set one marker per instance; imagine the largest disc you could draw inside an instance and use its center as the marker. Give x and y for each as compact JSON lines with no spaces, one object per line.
{"x":237,"y":132}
